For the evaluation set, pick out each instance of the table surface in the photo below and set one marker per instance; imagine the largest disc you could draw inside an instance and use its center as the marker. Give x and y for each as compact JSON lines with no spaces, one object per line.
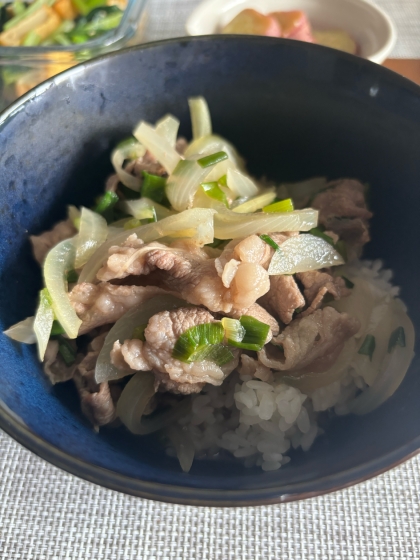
{"x":47,"y":514}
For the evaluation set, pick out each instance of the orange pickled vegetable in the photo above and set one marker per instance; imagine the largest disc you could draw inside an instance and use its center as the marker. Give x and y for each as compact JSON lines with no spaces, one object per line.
{"x":251,"y":22}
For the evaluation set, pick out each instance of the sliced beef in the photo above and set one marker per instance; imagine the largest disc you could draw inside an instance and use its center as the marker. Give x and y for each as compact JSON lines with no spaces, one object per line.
{"x":161,"y":334}
{"x":254,"y":368}
{"x":342,"y":209}
{"x":317,"y":285}
{"x":101,"y":304}
{"x":41,"y":244}
{"x":54,"y":366}
{"x":310,"y":344}
{"x":191,"y":274}
{"x":284,"y":297}
{"x":97,"y":401}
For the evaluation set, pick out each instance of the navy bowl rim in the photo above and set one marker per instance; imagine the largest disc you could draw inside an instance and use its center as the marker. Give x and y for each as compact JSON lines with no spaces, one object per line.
{"x":178,"y":494}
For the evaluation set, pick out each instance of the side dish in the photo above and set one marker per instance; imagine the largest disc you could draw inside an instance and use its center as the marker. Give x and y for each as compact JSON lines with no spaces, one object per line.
{"x":289,"y":25}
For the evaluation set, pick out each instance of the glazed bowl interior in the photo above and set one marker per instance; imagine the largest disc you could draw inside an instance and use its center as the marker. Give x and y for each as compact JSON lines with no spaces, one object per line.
{"x":294,"y":110}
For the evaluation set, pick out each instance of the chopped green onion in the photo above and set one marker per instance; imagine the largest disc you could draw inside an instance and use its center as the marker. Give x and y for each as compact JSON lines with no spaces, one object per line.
{"x":66,"y":350}
{"x":349,"y":284}
{"x":138,"y":332}
{"x":18,"y":8}
{"x":233,"y":329}
{"x":103,"y":24}
{"x":255,"y":334}
{"x":368,"y":346}
{"x":396,"y":338}
{"x":57,"y":328}
{"x":79,"y":38}
{"x":319,"y":233}
{"x":223,"y":181}
{"x":281,"y":206}
{"x":216,"y":243}
{"x":213,"y":190}
{"x":270,"y":241}
{"x":153,"y":187}
{"x":133,"y":223}
{"x":61,"y":39}
{"x":207,"y":161}
{"x":72,"y":276}
{"x":106,"y":203}
{"x":129,"y":194}
{"x":202,"y":342}
{"x":341,"y":247}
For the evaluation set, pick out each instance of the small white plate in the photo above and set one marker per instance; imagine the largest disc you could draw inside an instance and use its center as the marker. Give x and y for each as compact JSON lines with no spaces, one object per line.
{"x":371,"y":28}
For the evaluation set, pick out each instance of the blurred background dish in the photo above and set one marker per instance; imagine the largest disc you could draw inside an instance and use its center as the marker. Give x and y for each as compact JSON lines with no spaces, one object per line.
{"x":49,"y":36}
{"x":355,"y":26}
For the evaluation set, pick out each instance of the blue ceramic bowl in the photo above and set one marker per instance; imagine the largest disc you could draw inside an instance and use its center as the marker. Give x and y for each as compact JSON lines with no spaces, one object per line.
{"x":294,"y":110}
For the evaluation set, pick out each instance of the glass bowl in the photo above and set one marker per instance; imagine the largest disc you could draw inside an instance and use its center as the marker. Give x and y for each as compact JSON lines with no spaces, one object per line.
{"x":22,"y":68}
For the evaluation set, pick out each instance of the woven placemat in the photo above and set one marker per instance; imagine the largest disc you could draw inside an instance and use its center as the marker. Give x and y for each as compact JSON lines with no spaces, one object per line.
{"x":47,"y":514}
{"x":166,"y":18}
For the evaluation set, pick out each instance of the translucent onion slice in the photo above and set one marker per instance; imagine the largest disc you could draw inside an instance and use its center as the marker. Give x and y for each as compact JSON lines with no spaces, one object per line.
{"x":167,"y":127}
{"x":219,"y":170}
{"x":231,"y":225}
{"x":200,"y":117}
{"x":210,"y":145}
{"x":158,"y":146}
{"x":392,"y":372}
{"x":127,"y":150}
{"x":159,"y":420}
{"x":135,"y":398}
{"x":255,"y":203}
{"x":123,"y":330}
{"x":44,"y":319}
{"x":184,"y":446}
{"x":240,"y":184}
{"x":22,"y":331}
{"x":196,"y":224}
{"x":142,"y":206}
{"x":303,"y":253}
{"x":58,"y":262}
{"x":184,"y":183}
{"x":93,"y":231}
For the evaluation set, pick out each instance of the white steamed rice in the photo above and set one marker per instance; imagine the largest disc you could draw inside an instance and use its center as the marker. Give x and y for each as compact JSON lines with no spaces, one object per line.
{"x":258,"y":421}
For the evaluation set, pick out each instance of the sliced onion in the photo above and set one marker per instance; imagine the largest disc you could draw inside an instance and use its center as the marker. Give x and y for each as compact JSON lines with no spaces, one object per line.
{"x":207,"y":145}
{"x":162,"y":419}
{"x":183,"y":184}
{"x":44,"y":319}
{"x":158,"y":146}
{"x":135,"y":398}
{"x":196,"y":224}
{"x":142,"y":206}
{"x":184,"y":446}
{"x":231,"y":225}
{"x":22,"y":331}
{"x":123,"y":330}
{"x":303,"y":253}
{"x":120,"y":155}
{"x":59,"y":260}
{"x":167,"y":127}
{"x":93,"y":231}
{"x":215,"y":172}
{"x":392,"y":372}
{"x":200,"y":117}
{"x":240,"y":184}
{"x":255,"y":203}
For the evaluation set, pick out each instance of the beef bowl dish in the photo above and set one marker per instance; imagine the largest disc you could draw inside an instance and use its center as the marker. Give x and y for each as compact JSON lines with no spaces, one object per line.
{"x":208,"y":297}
